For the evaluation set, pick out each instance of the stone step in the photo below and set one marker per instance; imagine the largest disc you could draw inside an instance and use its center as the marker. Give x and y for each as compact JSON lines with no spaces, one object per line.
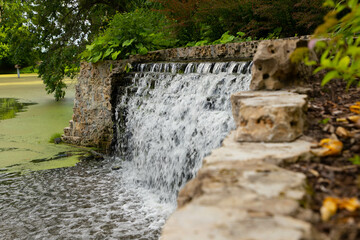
{"x":264,"y":116}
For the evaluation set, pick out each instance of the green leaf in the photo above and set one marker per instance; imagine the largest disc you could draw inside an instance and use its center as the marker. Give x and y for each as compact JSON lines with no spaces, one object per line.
{"x":324,"y":56}
{"x":143,"y":50}
{"x":321,"y":44}
{"x":329,"y":3}
{"x":319,"y":69}
{"x":97,"y":58}
{"x":108,"y":52}
{"x":310,"y":63}
{"x":240,"y":34}
{"x":352,"y":3}
{"x":111,"y":67}
{"x":128,"y":42}
{"x":115,"y":55}
{"x":355,"y":160}
{"x":324,"y":121}
{"x":329,"y":76}
{"x":344,"y":63}
{"x":226,"y":38}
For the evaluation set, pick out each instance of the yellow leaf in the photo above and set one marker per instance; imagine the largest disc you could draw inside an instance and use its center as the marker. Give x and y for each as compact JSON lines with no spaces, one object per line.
{"x":334,"y":147}
{"x":350,"y":204}
{"x":355,"y":108}
{"x":328,"y":208}
{"x":354,"y":118}
{"x":341,"y":120}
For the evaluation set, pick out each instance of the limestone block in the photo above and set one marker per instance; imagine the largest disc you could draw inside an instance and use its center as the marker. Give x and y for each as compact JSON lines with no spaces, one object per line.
{"x":272,"y":68}
{"x":269,"y":116}
{"x":208,"y":222}
{"x":246,"y":181}
{"x":275,"y":153}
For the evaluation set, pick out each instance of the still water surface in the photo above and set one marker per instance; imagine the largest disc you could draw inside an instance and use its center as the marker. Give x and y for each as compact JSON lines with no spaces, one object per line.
{"x":28,"y":118}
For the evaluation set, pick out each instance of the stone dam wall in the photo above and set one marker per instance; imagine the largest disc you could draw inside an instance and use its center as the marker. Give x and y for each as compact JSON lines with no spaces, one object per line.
{"x":92,"y":123}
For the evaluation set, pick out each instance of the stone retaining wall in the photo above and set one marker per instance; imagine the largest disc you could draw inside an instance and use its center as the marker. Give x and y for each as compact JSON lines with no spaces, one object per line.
{"x":93,"y":109}
{"x":92,"y":123}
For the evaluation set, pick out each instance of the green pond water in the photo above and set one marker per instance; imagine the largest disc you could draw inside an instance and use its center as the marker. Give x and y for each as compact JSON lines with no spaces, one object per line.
{"x":28,"y":118}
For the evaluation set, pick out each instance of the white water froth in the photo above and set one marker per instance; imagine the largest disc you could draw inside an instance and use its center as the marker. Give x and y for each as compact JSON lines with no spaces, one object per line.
{"x":176,"y":114}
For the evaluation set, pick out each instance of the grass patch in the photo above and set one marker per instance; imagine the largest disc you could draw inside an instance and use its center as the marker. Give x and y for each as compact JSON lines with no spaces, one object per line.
{"x":29,"y":69}
{"x":55,"y":135}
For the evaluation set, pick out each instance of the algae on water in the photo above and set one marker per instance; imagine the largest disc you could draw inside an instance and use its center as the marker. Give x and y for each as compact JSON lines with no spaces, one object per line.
{"x":10,"y":106}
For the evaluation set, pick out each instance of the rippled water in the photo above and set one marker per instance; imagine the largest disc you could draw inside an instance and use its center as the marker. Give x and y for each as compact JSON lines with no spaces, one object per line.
{"x":87,"y":201}
{"x":169,"y":118}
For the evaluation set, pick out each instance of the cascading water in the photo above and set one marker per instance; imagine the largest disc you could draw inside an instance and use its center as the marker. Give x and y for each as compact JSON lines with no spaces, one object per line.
{"x":174,"y":119}
{"x":168,"y":119}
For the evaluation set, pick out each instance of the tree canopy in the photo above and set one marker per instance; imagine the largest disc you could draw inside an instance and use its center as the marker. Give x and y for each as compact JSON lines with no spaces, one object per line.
{"x":55,"y":33}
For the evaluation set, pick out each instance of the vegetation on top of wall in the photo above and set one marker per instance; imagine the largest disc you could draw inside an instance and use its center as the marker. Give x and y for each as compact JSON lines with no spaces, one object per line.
{"x":130,"y":33}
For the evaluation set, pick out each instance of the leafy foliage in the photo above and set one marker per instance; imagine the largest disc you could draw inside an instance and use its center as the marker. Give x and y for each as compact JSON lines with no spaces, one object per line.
{"x":17,"y":42}
{"x":135,"y":32}
{"x":355,"y":160}
{"x":63,"y":28}
{"x":198,"y":20}
{"x":341,"y":51}
{"x":55,"y":32}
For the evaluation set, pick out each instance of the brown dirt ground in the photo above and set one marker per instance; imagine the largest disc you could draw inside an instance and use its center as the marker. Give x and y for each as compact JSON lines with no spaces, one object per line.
{"x":333,"y":176}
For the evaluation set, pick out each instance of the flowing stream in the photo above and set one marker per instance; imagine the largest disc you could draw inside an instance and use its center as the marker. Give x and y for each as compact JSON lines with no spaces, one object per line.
{"x":167,"y":120}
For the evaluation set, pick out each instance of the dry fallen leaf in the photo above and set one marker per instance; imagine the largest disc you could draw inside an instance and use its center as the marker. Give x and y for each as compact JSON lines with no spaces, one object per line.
{"x":341,"y":120}
{"x":333,"y":146}
{"x":342,"y":132}
{"x":328,"y":208}
{"x":331,"y":204}
{"x":355,"y":108}
{"x":314,"y":172}
{"x":350,"y":204}
{"x":354,"y":119}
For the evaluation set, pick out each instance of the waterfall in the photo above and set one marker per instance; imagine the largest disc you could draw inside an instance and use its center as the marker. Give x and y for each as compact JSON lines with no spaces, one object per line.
{"x":170,"y":117}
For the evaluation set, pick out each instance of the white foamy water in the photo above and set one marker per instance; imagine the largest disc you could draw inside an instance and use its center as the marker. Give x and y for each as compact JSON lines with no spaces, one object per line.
{"x":175,"y":115}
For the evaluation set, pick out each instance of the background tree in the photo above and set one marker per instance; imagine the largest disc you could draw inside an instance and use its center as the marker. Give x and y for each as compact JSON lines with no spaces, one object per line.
{"x":64,"y":27}
{"x":17,"y":41}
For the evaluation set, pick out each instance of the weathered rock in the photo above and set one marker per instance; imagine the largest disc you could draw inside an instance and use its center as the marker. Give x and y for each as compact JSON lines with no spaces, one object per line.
{"x":92,"y":120}
{"x":272,"y":68}
{"x":240,"y":200}
{"x":275,"y":153}
{"x":268,"y":116}
{"x":208,"y":222}
{"x":249,"y":182}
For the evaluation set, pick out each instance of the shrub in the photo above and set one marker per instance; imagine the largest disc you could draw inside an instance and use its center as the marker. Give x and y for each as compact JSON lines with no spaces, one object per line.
{"x":196,"y":20}
{"x":130,"y":33}
{"x":337,"y":39}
